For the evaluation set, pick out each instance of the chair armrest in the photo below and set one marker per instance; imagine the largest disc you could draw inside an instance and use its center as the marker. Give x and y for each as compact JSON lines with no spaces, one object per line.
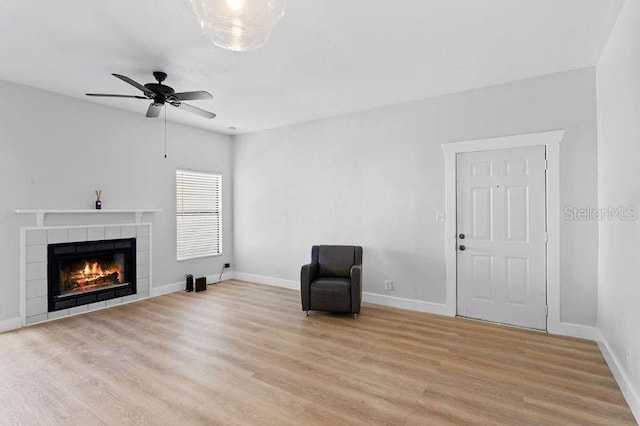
{"x":308,"y":273}
{"x":356,"y":288}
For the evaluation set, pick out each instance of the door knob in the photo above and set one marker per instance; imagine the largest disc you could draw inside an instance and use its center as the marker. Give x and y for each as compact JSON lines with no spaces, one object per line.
{"x":461,"y":236}
{"x":462,"y":248}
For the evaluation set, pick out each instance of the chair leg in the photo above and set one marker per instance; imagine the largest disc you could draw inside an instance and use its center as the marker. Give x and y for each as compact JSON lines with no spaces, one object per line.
{"x":306,"y":313}
{"x":355,"y":316}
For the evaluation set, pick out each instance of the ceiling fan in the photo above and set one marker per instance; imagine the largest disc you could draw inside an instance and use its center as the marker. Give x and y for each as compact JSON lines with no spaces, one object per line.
{"x":160,"y":94}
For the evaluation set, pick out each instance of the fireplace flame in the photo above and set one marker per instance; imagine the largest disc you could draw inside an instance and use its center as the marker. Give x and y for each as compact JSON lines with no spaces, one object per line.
{"x":93,"y":271}
{"x":94,"y":274}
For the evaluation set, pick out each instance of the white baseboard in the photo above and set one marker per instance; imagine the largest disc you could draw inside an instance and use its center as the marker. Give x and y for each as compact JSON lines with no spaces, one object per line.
{"x":175,"y":287}
{"x":10,"y":324}
{"x":380,"y":299}
{"x":563,"y":328}
{"x":573,"y":330}
{"x":275,"y":282}
{"x":214,"y":279}
{"x":410,"y":304}
{"x":167,"y":288}
{"x":631,"y":395}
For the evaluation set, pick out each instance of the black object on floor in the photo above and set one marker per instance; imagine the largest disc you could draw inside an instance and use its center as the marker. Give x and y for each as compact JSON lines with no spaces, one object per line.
{"x":189,"y":283}
{"x":201,"y":284}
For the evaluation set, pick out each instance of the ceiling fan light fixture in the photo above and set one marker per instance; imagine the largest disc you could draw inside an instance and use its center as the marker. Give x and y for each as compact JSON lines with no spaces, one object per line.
{"x":238,"y":25}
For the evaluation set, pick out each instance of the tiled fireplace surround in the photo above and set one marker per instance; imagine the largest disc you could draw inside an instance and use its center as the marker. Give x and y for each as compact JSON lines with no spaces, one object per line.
{"x":34,"y":265}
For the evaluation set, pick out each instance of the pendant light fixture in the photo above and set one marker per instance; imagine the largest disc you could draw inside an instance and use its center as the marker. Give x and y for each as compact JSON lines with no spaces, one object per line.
{"x":238,"y":25}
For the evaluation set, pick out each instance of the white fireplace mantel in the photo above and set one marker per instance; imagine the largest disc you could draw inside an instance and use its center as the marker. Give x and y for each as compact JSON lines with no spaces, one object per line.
{"x":41,"y":213}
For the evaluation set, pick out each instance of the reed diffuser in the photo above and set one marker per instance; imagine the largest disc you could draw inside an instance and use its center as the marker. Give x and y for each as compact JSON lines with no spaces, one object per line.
{"x":98,"y":202}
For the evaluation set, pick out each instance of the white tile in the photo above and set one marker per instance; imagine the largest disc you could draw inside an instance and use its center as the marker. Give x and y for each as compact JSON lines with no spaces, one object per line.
{"x":55,"y":236}
{"x":114,"y":302}
{"x":142,"y":244}
{"x":142,"y":285}
{"x":142,"y":257}
{"x":97,"y":305}
{"x":78,"y":309}
{"x":143,"y":295}
{"x":77,"y":235}
{"x":36,"y":306}
{"x":128,"y":232}
{"x":58,"y":314}
{"x":36,"y":254}
{"x":143,"y":230}
{"x":142,"y":271}
{"x":36,"y":288}
{"x":36,"y":319}
{"x":36,"y":237}
{"x":130,"y":298}
{"x":112,"y":233}
{"x":36,"y":271}
{"x":95,"y":234}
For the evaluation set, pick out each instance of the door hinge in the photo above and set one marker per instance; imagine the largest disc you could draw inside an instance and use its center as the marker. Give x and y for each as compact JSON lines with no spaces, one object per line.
{"x":546,"y":310}
{"x":546,"y":164}
{"x":546,"y":237}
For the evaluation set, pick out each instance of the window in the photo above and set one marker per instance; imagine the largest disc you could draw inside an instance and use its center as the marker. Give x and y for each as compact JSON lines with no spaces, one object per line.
{"x":198,"y":202}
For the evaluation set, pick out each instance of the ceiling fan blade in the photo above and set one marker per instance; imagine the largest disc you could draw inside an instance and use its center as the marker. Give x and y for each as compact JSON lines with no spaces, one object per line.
{"x":135,"y":84}
{"x":108,"y":95}
{"x":154,"y":110}
{"x":192,"y":96}
{"x":192,"y":109}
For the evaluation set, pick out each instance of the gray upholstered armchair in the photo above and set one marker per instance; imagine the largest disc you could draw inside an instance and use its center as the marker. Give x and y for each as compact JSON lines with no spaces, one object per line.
{"x":332,"y":282}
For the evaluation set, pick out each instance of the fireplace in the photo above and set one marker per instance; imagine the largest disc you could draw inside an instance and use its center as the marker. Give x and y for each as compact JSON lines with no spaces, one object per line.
{"x":89,"y":272}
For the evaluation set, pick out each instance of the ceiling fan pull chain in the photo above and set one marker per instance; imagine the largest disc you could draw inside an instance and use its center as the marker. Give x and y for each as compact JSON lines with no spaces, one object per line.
{"x":165,"y":133}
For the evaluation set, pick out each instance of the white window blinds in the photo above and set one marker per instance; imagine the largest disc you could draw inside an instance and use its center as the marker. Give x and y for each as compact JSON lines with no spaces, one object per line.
{"x":198,"y":202}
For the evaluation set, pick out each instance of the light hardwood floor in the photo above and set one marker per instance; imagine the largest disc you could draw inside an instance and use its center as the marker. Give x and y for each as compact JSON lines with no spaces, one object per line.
{"x":243,"y":353}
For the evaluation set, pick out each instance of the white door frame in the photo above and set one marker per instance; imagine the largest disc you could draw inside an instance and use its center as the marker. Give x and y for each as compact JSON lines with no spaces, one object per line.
{"x":552,"y":141}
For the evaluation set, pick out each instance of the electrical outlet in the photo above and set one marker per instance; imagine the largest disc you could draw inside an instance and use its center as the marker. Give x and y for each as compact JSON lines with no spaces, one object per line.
{"x":388,"y":285}
{"x":441,"y":217}
{"x":227,"y":265}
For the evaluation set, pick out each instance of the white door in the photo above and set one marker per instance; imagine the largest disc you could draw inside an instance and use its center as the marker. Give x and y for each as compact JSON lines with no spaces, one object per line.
{"x":501,"y":236}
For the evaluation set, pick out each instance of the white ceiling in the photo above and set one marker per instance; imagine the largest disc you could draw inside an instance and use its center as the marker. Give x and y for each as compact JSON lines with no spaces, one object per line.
{"x":325,"y":58}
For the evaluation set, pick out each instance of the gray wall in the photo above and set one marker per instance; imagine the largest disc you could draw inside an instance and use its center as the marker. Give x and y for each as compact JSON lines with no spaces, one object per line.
{"x":56,"y":150}
{"x":619,"y":185}
{"x":376,"y":178}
